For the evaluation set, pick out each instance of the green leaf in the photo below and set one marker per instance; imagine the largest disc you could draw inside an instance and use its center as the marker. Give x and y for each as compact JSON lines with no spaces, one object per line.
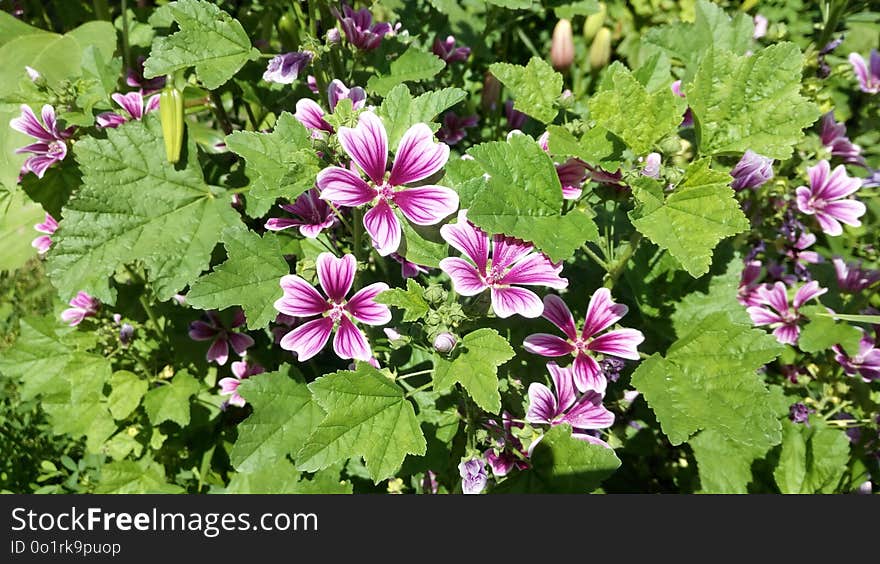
{"x":480,"y":353}
{"x":725,"y":466}
{"x":535,"y":87}
{"x":249,"y":277}
{"x":563,"y":464}
{"x":281,"y":477}
{"x":413,"y":66}
{"x":871,"y":319}
{"x":465,"y":176}
{"x":523,"y":198}
{"x":813,"y":458}
{"x":129,"y":476}
{"x":627,"y":109}
{"x":209,"y":39}
{"x":367,"y":415}
{"x":281,"y":164}
{"x":134,"y":205}
{"x":654,"y":74}
{"x":598,"y":146}
{"x":821,"y":333}
{"x":512,"y":4}
{"x":720,"y":297}
{"x":422,"y":244}
{"x":17,"y":220}
{"x":127,"y":390}
{"x":170,"y":402}
{"x":708,"y":381}
{"x":284,"y":416}
{"x":400,"y":110}
{"x":751,"y":102}
{"x":712,"y":28}
{"x":568,"y":10}
{"x":411,"y":300}
{"x":690,"y":221}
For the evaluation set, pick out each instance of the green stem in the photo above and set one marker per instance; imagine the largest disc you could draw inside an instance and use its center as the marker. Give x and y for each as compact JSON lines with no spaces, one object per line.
{"x":419,"y":389}
{"x":145,"y":303}
{"x":340,"y":216}
{"x":220,"y":111}
{"x":620,"y":264}
{"x":411,"y":374}
{"x":357,"y":231}
{"x":835,"y":12}
{"x":102,"y":10}
{"x":126,"y":48}
{"x":598,"y":260}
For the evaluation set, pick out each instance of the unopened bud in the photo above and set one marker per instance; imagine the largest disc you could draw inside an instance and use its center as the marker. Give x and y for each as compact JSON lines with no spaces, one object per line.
{"x":562,"y":46}
{"x":171,"y":117}
{"x":491,"y":92}
{"x":594,"y":22}
{"x":444,"y":342}
{"x":600,"y":50}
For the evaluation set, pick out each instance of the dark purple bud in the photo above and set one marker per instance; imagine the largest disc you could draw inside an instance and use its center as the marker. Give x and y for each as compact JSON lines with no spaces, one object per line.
{"x":752,"y":171}
{"x":799,"y":413}
{"x":126,"y":334}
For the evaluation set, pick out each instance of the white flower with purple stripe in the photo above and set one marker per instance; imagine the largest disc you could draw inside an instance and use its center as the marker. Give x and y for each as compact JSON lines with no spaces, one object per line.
{"x":50,"y":147}
{"x":826,"y":198}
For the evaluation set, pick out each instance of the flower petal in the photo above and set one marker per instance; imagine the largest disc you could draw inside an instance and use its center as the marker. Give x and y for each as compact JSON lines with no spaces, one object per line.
{"x":344,"y":187}
{"x":363,"y":307}
{"x":308,"y":339}
{"x":535,"y":270}
{"x":547,"y":345}
{"x":427,"y":205}
{"x":336,"y":275}
{"x":846,"y":211}
{"x":563,"y":382}
{"x":556,"y":312}
{"x":542,"y":404}
{"x":240,"y":342}
{"x":589,"y":413}
{"x":349,"y":342}
{"x":507,"y":250}
{"x":776,"y":296}
{"x":602,"y":313}
{"x":465,"y":278}
{"x":763,"y":316}
{"x":384,"y":227}
{"x":787,"y":334}
{"x":508,"y":301}
{"x":468,"y":239}
{"x":311,"y":115}
{"x":621,"y":342}
{"x":588,"y":375}
{"x":807,"y":292}
{"x":300,"y":298}
{"x":367,"y":145}
{"x":418,"y":156}
{"x":218,"y":352}
{"x":201,"y":331}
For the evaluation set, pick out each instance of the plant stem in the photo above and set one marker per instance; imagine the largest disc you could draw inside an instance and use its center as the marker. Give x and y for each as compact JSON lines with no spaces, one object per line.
{"x":145,"y":303}
{"x":620,"y":264}
{"x":419,"y":373}
{"x":102,"y":10}
{"x":357,"y":229}
{"x":126,"y":48}
{"x":220,"y":111}
{"x":589,"y":252}
{"x":419,"y":389}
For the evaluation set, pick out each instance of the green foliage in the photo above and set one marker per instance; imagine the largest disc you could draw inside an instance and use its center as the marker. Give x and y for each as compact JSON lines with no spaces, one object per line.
{"x":813,"y":458}
{"x":171,"y":400}
{"x":127,"y":391}
{"x":535,"y":87}
{"x":367,"y":415}
{"x":597,"y":146}
{"x":480,"y":353}
{"x":130,"y":477}
{"x":400,"y":110}
{"x":821,"y":333}
{"x":209,"y":39}
{"x":411,"y":300}
{"x":413,"y":66}
{"x":523,"y":198}
{"x":249,"y":277}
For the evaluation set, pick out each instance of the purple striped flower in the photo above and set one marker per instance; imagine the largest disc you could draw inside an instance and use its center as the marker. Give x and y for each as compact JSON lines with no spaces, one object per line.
{"x":311,"y":115}
{"x":286,"y":67}
{"x":81,"y":306}
{"x":301,"y":299}
{"x":602,"y":313}
{"x":134,"y":106}
{"x":455,"y":127}
{"x":50,"y":147}
{"x":868,"y":76}
{"x":826,"y":198}
{"x":799,"y":413}
{"x":834,"y":139}
{"x":135,"y":79}
{"x":43,"y":242}
{"x":687,"y":118}
{"x":513,"y":263}
{"x":473,"y":476}
{"x":313,"y":215}
{"x":778,"y":314}
{"x":211,"y":328}
{"x":865,"y":363}
{"x":747,"y":294}
{"x":359,"y":28}
{"x":572,"y":173}
{"x":409,"y":269}
{"x":241,"y":371}
{"x":508,"y":452}
{"x":564,"y":406}
{"x":752,"y":171}
{"x":852,"y":278}
{"x":418,"y":157}
{"x":446,"y":50}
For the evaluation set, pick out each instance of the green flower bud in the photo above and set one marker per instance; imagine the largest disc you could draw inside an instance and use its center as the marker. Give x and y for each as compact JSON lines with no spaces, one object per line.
{"x":600,"y":50}
{"x":171,"y":116}
{"x":595,"y":22}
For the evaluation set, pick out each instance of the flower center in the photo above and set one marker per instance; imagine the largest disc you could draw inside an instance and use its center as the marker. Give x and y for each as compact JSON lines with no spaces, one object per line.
{"x":337,"y":311}
{"x":817,"y":203}
{"x":56,"y":149}
{"x":789,"y":317}
{"x":386,"y":192}
{"x":494,"y":274}
{"x":580,"y":345}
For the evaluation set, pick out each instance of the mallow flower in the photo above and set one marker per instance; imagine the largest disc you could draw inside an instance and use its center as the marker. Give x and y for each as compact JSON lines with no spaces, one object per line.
{"x":473,"y":476}
{"x":778,"y":314}
{"x":866,"y":361}
{"x":513,"y":263}
{"x":134,"y":106}
{"x":446,"y":50}
{"x":286,"y":67}
{"x":564,"y":406}
{"x":868,"y":75}
{"x":81,"y":306}
{"x":752,"y":171}
{"x":834,"y":139}
{"x":852,"y":278}
{"x":359,"y":28}
{"x":50,"y":147}
{"x":336,"y":311}
{"x":312,"y":215}
{"x":48,"y":227}
{"x":826,"y":198}
{"x":602,"y":313}
{"x":418,"y":157}
{"x":212,"y":328}
{"x":311,"y":115}
{"x":241,"y":371}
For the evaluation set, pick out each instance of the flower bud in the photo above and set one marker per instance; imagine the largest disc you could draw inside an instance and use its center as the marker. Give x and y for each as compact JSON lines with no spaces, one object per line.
{"x":600,"y":50}
{"x":562,"y":46}
{"x":752,"y":171}
{"x":594,"y":22}
{"x":171,"y":117}
{"x":444,"y":342}
{"x":491,"y":92}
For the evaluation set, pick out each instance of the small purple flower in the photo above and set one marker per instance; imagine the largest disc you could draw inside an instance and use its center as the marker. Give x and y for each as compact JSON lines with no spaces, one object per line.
{"x":687,"y":119}
{"x":513,"y":263}
{"x":429,"y":482}
{"x":446,"y":50}
{"x":409,"y":269}
{"x":133,"y":104}
{"x":760,"y":26}
{"x":82,"y":306}
{"x":126,"y":334}
{"x":43,"y":242}
{"x":752,"y":171}
{"x":313,"y":215}
{"x":824,"y":69}
{"x":826,"y":198}
{"x":777,"y":313}
{"x":212,"y":329}
{"x":241,"y":371}
{"x":301,"y":299}
{"x":584,"y":412}
{"x":515,"y":118}
{"x":611,"y":368}
{"x":869,"y":78}
{"x":135,"y":78}
{"x":454,"y":127}
{"x":444,"y":342}
{"x":572,"y":173}
{"x":865,"y":363}
{"x":873,"y":179}
{"x":50,"y":147}
{"x":652,"y":165}
{"x":852,"y":278}
{"x":507,"y":453}
{"x":286,"y":67}
{"x":834,"y":139}
{"x":747,"y":294}
{"x":418,"y":157}
{"x":602,"y":313}
{"x":799,"y":413}
{"x":473,"y":476}
{"x":359,"y":27}
{"x":311,"y":115}
{"x":339,"y":91}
